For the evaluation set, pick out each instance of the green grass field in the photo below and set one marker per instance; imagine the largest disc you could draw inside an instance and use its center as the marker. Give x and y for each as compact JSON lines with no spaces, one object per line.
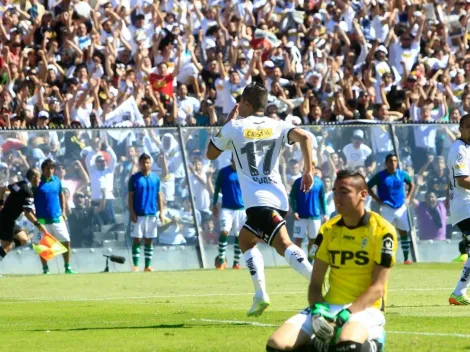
{"x":205,"y":311}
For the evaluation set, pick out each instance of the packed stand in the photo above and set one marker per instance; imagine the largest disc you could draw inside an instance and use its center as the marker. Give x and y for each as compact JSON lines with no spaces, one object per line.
{"x":168,"y":63}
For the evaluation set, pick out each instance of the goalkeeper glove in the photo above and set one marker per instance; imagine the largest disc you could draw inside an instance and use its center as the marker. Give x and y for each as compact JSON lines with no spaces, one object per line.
{"x":322,"y":322}
{"x":342,"y":317}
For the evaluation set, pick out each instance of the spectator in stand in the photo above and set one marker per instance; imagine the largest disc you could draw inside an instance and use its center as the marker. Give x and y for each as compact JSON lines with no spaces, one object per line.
{"x":432,"y":217}
{"x":202,"y":187}
{"x":356,"y":152}
{"x":81,"y":222}
{"x":101,"y":164}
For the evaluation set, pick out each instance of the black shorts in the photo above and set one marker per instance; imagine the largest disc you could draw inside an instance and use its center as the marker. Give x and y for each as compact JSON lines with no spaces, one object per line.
{"x":8,"y":229}
{"x":464,"y":245}
{"x":264,"y":222}
{"x":464,"y":227}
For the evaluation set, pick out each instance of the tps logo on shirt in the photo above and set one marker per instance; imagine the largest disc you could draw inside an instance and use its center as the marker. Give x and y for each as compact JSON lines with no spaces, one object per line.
{"x":342,"y":257}
{"x":258,"y":134}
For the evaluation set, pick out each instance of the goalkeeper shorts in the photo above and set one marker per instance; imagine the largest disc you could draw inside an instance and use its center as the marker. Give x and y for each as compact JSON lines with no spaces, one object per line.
{"x":372,"y":318}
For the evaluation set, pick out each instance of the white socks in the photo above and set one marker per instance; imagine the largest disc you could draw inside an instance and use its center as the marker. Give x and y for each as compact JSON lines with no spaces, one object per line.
{"x":255,"y":264}
{"x":297,"y":259}
{"x":464,"y":281}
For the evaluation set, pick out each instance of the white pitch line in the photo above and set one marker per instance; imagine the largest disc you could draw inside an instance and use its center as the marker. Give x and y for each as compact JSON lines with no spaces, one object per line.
{"x":236,"y":322}
{"x":466,"y":336}
{"x":98,"y":299}
{"x":254,"y":323}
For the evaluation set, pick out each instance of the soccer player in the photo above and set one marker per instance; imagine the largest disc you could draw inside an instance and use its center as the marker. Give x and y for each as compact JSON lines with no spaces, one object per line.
{"x":359,"y":247}
{"x":20,"y":199}
{"x":256,"y":141}
{"x":308,"y":209}
{"x":458,"y":163}
{"x":233,"y":214}
{"x":144,"y":200}
{"x":392,"y":199}
{"x":49,"y":202}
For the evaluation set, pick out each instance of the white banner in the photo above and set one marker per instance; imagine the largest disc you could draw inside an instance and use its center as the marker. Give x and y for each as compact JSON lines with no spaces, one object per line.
{"x":127,"y":111}
{"x":125,"y":115}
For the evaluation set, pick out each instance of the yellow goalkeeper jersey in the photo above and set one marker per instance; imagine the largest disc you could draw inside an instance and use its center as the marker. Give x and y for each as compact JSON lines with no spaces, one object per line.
{"x":353,"y":253}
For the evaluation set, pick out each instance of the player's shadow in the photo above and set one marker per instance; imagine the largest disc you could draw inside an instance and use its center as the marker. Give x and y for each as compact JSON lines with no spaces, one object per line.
{"x":161,"y":326}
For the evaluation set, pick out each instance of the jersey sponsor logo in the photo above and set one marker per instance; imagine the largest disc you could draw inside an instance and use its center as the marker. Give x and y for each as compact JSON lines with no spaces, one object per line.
{"x":460,"y":166}
{"x":348,"y":237}
{"x":258,"y":134}
{"x":387,"y":244}
{"x":342,"y":257}
{"x":15,"y":187}
{"x":459,"y":157}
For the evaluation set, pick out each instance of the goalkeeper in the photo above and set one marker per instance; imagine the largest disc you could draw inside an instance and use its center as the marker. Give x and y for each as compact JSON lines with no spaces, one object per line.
{"x":359,"y":247}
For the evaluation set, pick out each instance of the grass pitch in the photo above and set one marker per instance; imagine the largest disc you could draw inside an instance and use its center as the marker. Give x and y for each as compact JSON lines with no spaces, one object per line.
{"x":205,"y":311}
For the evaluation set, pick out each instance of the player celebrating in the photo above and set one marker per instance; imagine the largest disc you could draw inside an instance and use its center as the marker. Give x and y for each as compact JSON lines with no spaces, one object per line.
{"x":233,"y":213}
{"x":458,"y":163}
{"x":49,"y":202}
{"x":144,"y":191}
{"x":359,"y":247}
{"x":19,"y":200}
{"x":256,"y":142}
{"x":391,"y":198}
{"x":307,"y":209}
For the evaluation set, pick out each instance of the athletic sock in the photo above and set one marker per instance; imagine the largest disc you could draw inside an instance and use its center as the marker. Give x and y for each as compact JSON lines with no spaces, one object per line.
{"x":236,"y":252}
{"x":222,"y":247}
{"x":67,"y":266}
{"x":296,"y":258}
{"x":148,"y":250}
{"x":136,"y":253}
{"x":255,"y":264}
{"x":2,"y":253}
{"x":464,"y":281}
{"x":45,"y":267}
{"x":405,"y":246}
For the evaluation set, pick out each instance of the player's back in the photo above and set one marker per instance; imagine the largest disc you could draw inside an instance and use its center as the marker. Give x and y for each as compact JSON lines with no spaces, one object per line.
{"x":21,"y":196}
{"x":257,"y":142}
{"x":458,"y":164}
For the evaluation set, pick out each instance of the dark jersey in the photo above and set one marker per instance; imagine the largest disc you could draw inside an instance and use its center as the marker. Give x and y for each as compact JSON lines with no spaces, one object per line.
{"x":21,"y":198}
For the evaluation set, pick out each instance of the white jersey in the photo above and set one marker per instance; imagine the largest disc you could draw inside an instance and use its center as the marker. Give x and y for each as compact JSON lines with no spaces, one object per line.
{"x":256,"y":142}
{"x":458,"y":163}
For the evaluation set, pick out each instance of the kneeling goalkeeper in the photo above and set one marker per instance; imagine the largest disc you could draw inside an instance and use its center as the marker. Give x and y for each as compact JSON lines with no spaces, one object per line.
{"x":359,"y":247}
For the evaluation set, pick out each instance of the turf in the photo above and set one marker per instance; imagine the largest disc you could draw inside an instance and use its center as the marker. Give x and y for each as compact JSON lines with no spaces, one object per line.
{"x":197,"y":311}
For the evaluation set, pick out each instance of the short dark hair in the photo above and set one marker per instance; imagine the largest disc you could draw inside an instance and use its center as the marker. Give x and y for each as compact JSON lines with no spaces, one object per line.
{"x":31,"y":172}
{"x":463,"y":118}
{"x":256,"y":95}
{"x":47,"y":163}
{"x":359,"y":180}
{"x":389,"y":156}
{"x":144,"y":157}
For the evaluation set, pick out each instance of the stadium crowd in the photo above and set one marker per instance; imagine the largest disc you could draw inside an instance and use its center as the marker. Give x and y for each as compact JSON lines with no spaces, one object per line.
{"x":168,"y":63}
